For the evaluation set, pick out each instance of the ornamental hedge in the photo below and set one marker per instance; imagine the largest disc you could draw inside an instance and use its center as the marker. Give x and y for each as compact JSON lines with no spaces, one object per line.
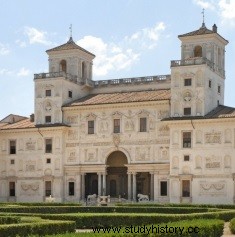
{"x":76,"y":209}
{"x":9,"y":219}
{"x":89,"y":220}
{"x":232,"y":225}
{"x":40,"y":229}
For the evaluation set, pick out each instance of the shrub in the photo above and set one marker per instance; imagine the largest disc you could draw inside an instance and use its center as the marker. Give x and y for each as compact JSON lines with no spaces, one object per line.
{"x":232,"y":225}
{"x":40,"y":229}
{"x":9,"y":219}
{"x":117,"y":219}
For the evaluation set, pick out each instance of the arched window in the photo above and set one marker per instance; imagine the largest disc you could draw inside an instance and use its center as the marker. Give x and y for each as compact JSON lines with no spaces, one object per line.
{"x":198,"y":51}
{"x":63,"y":66}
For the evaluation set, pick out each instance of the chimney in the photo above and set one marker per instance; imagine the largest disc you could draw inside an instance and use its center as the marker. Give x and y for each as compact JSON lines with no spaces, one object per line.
{"x":214,"y":28}
{"x":31,"y":117}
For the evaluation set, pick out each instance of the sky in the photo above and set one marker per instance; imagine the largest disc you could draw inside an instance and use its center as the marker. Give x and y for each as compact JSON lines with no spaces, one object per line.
{"x":130,"y":38}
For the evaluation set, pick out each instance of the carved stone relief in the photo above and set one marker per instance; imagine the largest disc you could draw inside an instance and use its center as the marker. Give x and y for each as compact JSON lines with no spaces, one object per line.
{"x":164,"y":153}
{"x":164,"y":130}
{"x":142,"y":153}
{"x":228,"y":136}
{"x":71,"y":155}
{"x":30,"y":166}
{"x":21,"y":165}
{"x":91,"y":155}
{"x":129,"y":125}
{"x":227,"y":162}
{"x":72,"y":135}
{"x":73,"y":119}
{"x":116,"y":140}
{"x":57,"y":164}
{"x":213,"y":137}
{"x":175,"y":137}
{"x":29,"y":188}
{"x":213,"y":162}
{"x":213,"y":188}
{"x":57,"y":142}
{"x":39,"y":164}
{"x":186,"y":170}
{"x":198,"y":162}
{"x":163,"y":114}
{"x":151,"y":124}
{"x":4,"y":145}
{"x":40,"y":143}
{"x":21,"y":144}
{"x":48,"y":172}
{"x":199,"y":137}
{"x":103,"y":126}
{"x":30,"y":145}
{"x":48,"y":106}
{"x":175,"y":162}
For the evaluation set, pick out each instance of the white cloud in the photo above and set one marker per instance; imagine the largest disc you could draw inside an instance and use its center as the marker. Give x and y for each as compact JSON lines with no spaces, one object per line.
{"x":227,"y":10}
{"x":147,"y":37}
{"x":23,"y":72}
{"x":115,"y":56}
{"x":109,"y":56}
{"x":224,"y":8}
{"x":4,"y":50}
{"x":205,"y":4}
{"x":22,"y":44}
{"x":36,"y":36}
{"x":4,"y":71}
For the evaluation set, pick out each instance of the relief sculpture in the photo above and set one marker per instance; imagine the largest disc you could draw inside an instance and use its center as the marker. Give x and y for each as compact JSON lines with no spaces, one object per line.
{"x":213,"y":137}
{"x":213,"y":188}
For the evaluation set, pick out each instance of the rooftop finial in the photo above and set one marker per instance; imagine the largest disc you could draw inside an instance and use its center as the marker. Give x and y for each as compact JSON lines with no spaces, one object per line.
{"x":71,"y":33}
{"x":203,"y":17}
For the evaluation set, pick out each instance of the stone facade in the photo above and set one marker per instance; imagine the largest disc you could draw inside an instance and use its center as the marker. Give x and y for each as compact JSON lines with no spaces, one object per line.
{"x":169,"y":137}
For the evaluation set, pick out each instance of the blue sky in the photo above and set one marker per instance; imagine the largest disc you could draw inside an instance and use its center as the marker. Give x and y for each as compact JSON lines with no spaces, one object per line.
{"x":129,"y":38}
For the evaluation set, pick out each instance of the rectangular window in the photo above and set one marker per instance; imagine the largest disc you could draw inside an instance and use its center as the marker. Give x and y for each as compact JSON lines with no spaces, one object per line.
{"x":48,"y":119}
{"x":13,"y":147}
{"x":71,"y":188}
{"x":91,"y":127}
{"x":47,"y":188}
{"x":48,"y":160}
{"x":163,"y":186}
{"x":186,"y":139}
{"x":70,"y":94}
{"x":116,"y":125}
{"x":12,"y":189}
{"x":209,"y":83}
{"x":186,"y":158}
{"x":12,"y":162}
{"x":187,"y":111}
{"x":188,"y":82}
{"x":48,"y":145}
{"x":219,"y":89}
{"x":48,"y":93}
{"x":185,"y":188}
{"x":143,"y":124}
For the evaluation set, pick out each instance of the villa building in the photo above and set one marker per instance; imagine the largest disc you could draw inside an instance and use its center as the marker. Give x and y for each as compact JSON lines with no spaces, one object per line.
{"x":169,"y":136}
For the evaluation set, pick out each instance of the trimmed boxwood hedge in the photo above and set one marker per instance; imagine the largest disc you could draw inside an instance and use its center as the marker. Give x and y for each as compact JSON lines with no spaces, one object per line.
{"x":75,"y":209}
{"x":40,"y":229}
{"x":232,"y":225}
{"x":87,"y":220}
{"x":9,"y":219}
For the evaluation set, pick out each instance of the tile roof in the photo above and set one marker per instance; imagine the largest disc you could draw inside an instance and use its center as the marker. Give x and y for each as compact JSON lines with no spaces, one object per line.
{"x":201,"y":31}
{"x":69,"y":45}
{"x":122,"y":97}
{"x":219,"y":112}
{"x":26,"y":123}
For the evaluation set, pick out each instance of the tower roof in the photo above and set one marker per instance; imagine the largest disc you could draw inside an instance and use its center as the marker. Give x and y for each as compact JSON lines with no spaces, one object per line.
{"x":69,"y":45}
{"x":203,"y":30}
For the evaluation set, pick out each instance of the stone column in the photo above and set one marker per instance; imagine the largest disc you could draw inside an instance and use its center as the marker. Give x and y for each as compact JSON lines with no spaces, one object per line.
{"x":99,"y":184}
{"x":134,"y":186}
{"x":151,"y":186}
{"x":83,"y":186}
{"x":129,"y":186}
{"x":156,"y":186}
{"x":78,"y":187}
{"x":104,"y":184}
